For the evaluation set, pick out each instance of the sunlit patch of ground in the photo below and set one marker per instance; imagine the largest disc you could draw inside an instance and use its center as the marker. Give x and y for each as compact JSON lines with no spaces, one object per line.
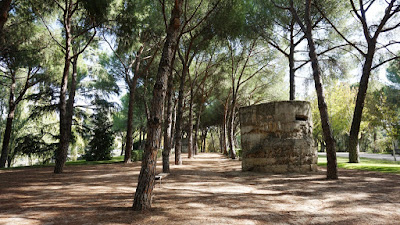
{"x":209,"y":189}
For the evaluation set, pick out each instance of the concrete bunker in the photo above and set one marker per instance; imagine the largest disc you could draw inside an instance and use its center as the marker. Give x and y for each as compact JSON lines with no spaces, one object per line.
{"x":276,"y":137}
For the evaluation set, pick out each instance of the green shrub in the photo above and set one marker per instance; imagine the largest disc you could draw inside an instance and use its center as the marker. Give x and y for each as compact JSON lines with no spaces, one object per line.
{"x":137,"y":155}
{"x":100,"y":145}
{"x":239,"y":153}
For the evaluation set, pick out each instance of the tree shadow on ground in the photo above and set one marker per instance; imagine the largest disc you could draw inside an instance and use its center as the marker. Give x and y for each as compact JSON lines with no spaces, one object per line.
{"x":207,"y":190}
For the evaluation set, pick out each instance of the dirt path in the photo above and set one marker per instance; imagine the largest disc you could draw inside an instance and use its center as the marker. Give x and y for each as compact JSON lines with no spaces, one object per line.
{"x":207,"y":190}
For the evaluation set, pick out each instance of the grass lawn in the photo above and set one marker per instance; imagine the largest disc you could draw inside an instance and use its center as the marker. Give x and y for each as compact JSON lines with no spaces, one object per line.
{"x":365,"y":164}
{"x":84,"y":162}
{"x":78,"y":162}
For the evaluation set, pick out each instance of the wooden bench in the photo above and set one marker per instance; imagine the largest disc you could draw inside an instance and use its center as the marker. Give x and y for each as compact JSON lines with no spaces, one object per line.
{"x":160,"y":176}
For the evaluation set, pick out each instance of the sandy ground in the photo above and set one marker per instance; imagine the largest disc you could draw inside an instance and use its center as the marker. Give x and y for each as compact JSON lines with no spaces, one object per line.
{"x":209,"y":189}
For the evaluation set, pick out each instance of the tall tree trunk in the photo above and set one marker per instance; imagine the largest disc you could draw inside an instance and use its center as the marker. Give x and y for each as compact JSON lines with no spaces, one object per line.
{"x":357,"y":116}
{"x":122,"y":145}
{"x":62,"y":150}
{"x":70,"y":102}
{"x":173,"y":123}
{"x":4,"y":8}
{"x":144,"y":190}
{"x":374,"y":150}
{"x":178,"y":121}
{"x":197,"y":127}
{"x":224,"y":145}
{"x":292,"y":90}
{"x":323,"y":110}
{"x":196,"y":134}
{"x":10,"y":118}
{"x":203,"y":140}
{"x":231,"y":128}
{"x":167,"y":126}
{"x":220,"y":139}
{"x":190,"y":124}
{"x":10,"y":160}
{"x":7,"y":137}
{"x":129,"y":128}
{"x":212,"y":139}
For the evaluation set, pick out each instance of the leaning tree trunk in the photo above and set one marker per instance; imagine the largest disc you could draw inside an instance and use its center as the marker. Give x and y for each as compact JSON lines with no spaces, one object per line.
{"x":357,"y":116}
{"x":144,"y":190}
{"x":323,"y":109}
{"x":167,"y":127}
{"x":178,"y":121}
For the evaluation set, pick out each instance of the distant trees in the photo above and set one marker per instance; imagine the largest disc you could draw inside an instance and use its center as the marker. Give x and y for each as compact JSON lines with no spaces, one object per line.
{"x":22,"y":61}
{"x":102,"y":137}
{"x":79,"y":20}
{"x":377,"y":31}
{"x":137,"y":28}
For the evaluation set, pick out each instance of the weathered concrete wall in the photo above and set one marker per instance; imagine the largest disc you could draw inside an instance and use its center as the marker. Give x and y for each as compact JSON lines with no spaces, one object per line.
{"x":277,"y":137}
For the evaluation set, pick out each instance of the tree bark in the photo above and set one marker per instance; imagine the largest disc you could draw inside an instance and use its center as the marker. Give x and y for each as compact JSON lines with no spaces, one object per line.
{"x":220,"y":139}
{"x":203,"y":140}
{"x":212,"y":139}
{"x":196,"y":133}
{"x":323,"y":110}
{"x":231,"y":128}
{"x":144,"y":190}
{"x":4,"y":8}
{"x":178,"y":121}
{"x":292,"y":90}
{"x":129,"y":128}
{"x":224,"y":146}
{"x":10,"y":118}
{"x":197,"y":127}
{"x":62,"y":150}
{"x":122,"y":145}
{"x":69,"y":112}
{"x":357,"y":116}
{"x":167,"y":126}
{"x":173,"y":123}
{"x":7,"y":137}
{"x":190,"y":124}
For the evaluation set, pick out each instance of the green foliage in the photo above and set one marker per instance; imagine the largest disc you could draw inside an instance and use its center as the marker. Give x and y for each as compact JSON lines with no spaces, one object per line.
{"x":239,"y":152}
{"x":121,"y":117}
{"x":97,"y":10}
{"x":100,"y":146}
{"x":340,"y":99}
{"x":393,"y":72}
{"x":137,"y":155}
